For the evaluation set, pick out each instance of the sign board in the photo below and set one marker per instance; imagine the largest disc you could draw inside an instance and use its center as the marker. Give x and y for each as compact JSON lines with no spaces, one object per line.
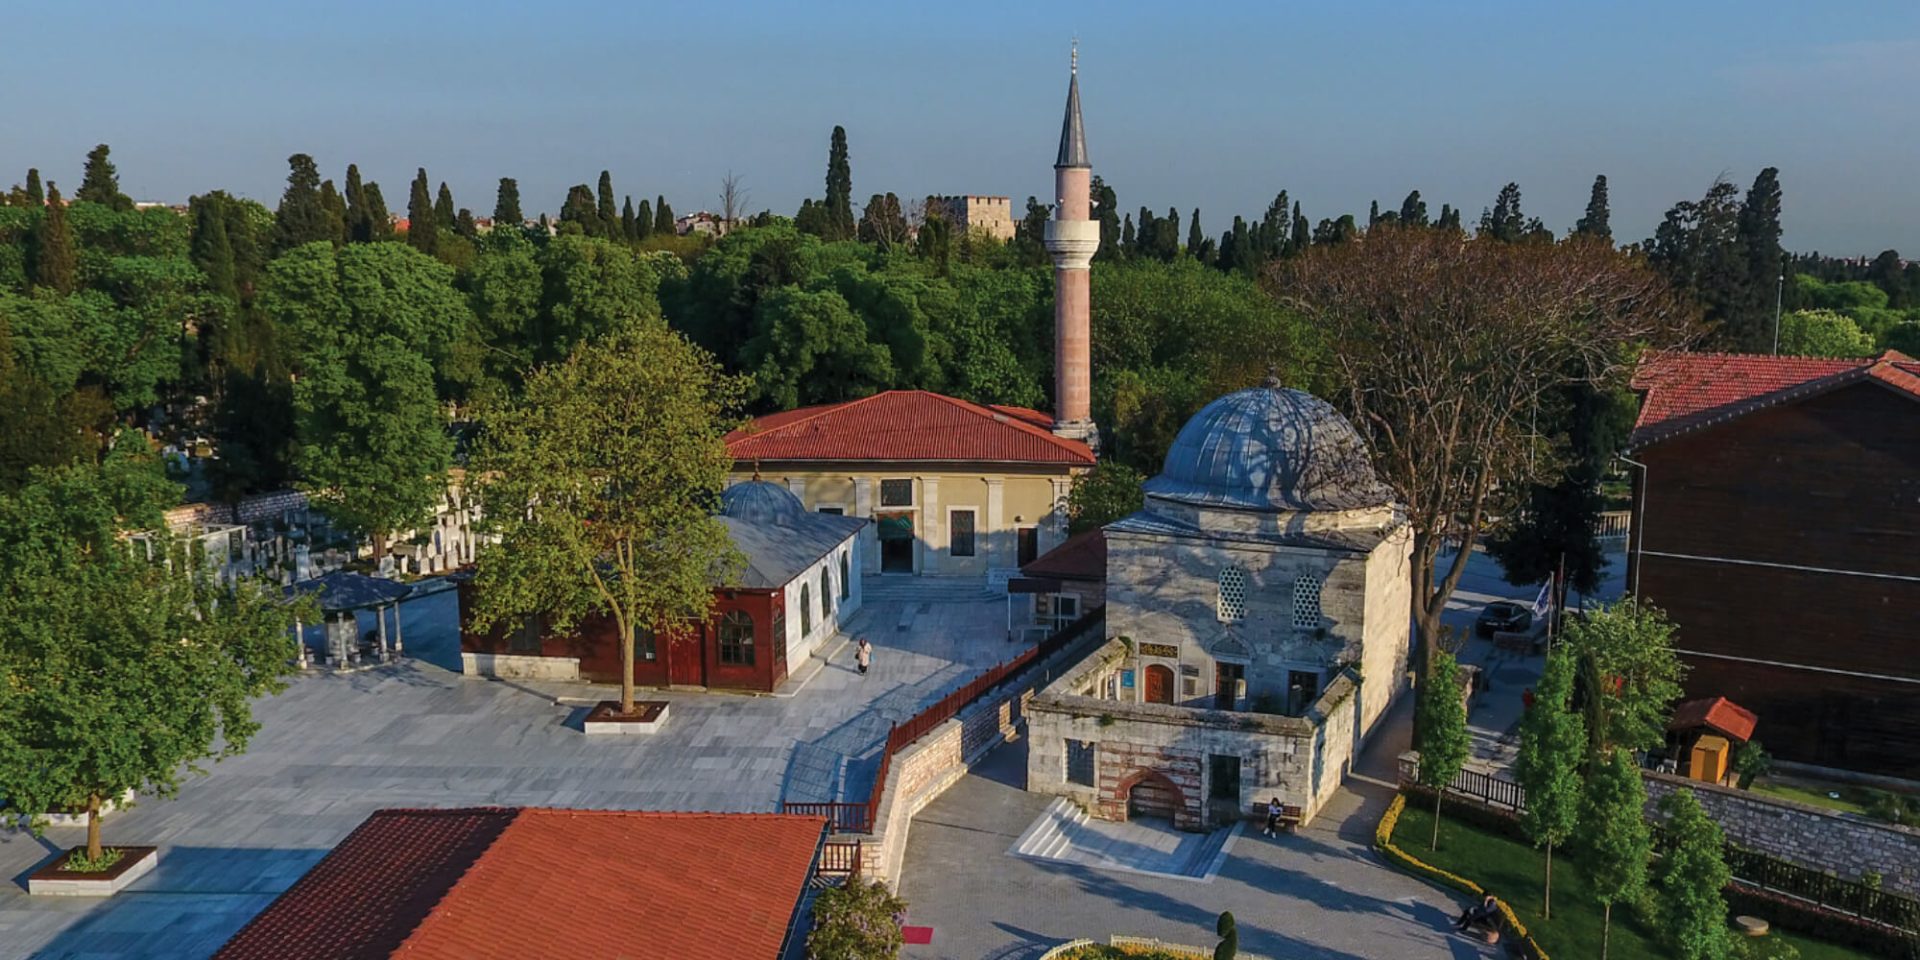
{"x":1126,"y":678}
{"x":1167,"y":650}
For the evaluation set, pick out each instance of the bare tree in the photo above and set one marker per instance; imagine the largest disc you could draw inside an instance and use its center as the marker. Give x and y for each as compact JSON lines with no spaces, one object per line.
{"x":1443,"y":346}
{"x":733,"y":201}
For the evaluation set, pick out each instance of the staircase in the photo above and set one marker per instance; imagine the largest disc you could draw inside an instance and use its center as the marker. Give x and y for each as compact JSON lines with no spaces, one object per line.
{"x":1067,"y":833}
{"x":900,"y":588}
{"x":1051,"y":837}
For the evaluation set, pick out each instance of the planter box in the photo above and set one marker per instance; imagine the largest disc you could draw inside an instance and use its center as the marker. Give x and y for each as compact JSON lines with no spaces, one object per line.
{"x":648,"y":717}
{"x":50,"y":880}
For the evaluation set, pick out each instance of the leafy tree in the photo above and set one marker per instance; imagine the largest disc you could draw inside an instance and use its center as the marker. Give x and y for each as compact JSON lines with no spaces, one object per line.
{"x":335,"y":207}
{"x":839,"y":219}
{"x":1630,"y":673}
{"x":1579,"y":428}
{"x":1759,"y":239}
{"x":1553,"y":745}
{"x":809,"y":347}
{"x":1196,"y":238}
{"x":1699,"y":249}
{"x":212,"y":252}
{"x":882,"y":223}
{"x":1413,"y":210}
{"x":1505,"y":221}
{"x":1127,"y":237}
{"x":627,"y":228}
{"x":1302,"y":235}
{"x":1614,"y":835}
{"x":1102,"y":495}
{"x":300,"y":219}
{"x":54,"y":263}
{"x":663,"y":218}
{"x":1750,"y":760}
{"x":858,"y":921}
{"x":379,"y":219}
{"x":423,"y":234}
{"x":101,"y":183}
{"x":444,"y":212}
{"x":1597,"y":222}
{"x":360,"y":226}
{"x":120,"y":667}
{"x":604,"y":208}
{"x":1689,"y":876}
{"x":601,"y":482}
{"x":1823,"y":333}
{"x":643,"y":220}
{"x":1106,"y":210}
{"x":506,"y":204}
{"x":1449,"y":218}
{"x":1229,"y":934}
{"x":580,"y":211}
{"x":1440,"y":731}
{"x":35,"y":195}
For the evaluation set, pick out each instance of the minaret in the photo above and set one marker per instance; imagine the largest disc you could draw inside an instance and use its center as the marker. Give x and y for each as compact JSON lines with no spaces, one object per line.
{"x":1072,"y":237}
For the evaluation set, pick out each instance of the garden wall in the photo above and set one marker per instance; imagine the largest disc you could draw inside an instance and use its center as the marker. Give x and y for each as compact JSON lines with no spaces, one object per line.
{"x":1820,"y":839}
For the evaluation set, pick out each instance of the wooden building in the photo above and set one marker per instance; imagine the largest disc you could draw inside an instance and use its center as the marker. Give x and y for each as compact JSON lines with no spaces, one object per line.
{"x":1777,"y":522}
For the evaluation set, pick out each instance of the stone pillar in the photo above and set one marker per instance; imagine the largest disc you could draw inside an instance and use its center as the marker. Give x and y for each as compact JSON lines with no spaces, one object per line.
{"x":930,"y":526}
{"x":869,"y":534}
{"x":380,"y":626}
{"x":998,"y":552}
{"x":396,"y":630}
{"x":300,"y":642}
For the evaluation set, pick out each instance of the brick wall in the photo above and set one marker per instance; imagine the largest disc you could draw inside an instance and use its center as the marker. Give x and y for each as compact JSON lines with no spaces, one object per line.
{"x":1803,"y":834}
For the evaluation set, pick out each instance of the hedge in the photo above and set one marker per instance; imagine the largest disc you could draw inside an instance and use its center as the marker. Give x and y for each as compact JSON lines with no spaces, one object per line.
{"x":1510,"y":926}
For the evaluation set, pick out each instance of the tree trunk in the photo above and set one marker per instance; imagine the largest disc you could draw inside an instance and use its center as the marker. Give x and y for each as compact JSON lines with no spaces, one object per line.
{"x":379,"y":549}
{"x":1546,"y":913}
{"x":626,"y":668}
{"x":1606,"y":927}
{"x":94,"y":852}
{"x":1437,"y":794}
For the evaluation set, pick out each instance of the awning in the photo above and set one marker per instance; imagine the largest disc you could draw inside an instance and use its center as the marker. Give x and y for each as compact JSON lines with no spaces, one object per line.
{"x":896,"y":526}
{"x":1033,"y":585}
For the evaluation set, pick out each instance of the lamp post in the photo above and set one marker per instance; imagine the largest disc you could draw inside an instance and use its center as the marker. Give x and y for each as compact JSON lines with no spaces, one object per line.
{"x":1779,"y":287}
{"x":1638,"y":531}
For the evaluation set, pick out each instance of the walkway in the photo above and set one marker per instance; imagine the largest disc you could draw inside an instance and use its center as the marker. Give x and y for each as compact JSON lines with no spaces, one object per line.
{"x":333,"y":749}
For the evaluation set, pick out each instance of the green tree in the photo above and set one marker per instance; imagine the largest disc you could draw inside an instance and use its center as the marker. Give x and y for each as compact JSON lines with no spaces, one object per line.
{"x":1440,"y":730}
{"x":1449,"y":219}
{"x":35,"y":194}
{"x":1229,"y":933}
{"x":628,"y":230}
{"x":579,"y":210}
{"x":1102,"y":495}
{"x":1302,"y":235}
{"x":1597,"y":222}
{"x":1106,"y":210}
{"x":335,"y":207}
{"x":601,"y":482}
{"x":212,"y":252}
{"x":101,"y":183}
{"x":55,"y":265}
{"x":379,"y":219}
{"x":1823,"y":333}
{"x":1413,"y":210}
{"x":663,"y":217}
{"x":882,"y":223}
{"x":444,"y":212}
{"x":857,"y":921}
{"x":1758,"y":232}
{"x":605,"y":209}
{"x":506,"y":204}
{"x":1553,"y":747}
{"x":643,"y":220}
{"x":1504,"y":222}
{"x":1614,"y":836}
{"x":1196,"y":237}
{"x":119,"y":667}
{"x":1578,"y":430}
{"x":1688,"y":877}
{"x":359,"y":217}
{"x":809,"y":347}
{"x":839,"y":218}
{"x":1630,"y":673}
{"x":300,"y":218}
{"x":423,"y":234}
{"x":1699,"y":249}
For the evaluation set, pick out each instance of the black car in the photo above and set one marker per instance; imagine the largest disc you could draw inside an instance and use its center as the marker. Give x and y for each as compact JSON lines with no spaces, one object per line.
{"x":1502,"y":615}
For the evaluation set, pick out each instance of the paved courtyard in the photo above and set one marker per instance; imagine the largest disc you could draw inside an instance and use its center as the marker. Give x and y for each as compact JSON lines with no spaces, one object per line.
{"x":334,"y":748}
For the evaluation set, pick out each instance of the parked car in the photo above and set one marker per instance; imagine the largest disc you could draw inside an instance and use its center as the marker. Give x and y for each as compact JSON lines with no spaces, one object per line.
{"x":1502,"y":615}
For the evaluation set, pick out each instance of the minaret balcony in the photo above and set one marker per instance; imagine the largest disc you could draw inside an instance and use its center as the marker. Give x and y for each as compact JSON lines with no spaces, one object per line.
{"x":1072,"y":242}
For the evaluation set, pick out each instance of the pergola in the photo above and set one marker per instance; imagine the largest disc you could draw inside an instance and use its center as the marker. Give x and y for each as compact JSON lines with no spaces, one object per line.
{"x":342,"y":594}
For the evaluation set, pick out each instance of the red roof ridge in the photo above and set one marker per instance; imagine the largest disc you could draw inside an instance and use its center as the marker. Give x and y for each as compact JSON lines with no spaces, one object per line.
{"x":1688,"y":391}
{"x":819,"y":410}
{"x":1005,"y":416}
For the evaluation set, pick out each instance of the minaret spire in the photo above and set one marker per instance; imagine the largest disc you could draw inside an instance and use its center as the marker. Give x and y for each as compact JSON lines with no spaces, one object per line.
{"x":1072,"y":236}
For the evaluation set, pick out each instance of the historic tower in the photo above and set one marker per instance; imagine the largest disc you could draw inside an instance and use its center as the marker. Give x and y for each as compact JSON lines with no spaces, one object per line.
{"x":1072,"y":237}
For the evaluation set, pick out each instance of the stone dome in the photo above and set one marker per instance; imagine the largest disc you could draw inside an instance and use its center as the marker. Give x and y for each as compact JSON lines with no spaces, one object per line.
{"x":760,"y":502}
{"x":1270,"y":448}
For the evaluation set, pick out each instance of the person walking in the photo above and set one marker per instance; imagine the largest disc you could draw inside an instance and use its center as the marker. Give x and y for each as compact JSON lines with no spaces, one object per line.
{"x":863,"y":655}
{"x":1273,"y":817}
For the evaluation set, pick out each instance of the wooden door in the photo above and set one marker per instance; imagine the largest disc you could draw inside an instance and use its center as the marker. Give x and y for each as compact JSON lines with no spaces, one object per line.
{"x":1159,"y":684}
{"x":687,"y":658}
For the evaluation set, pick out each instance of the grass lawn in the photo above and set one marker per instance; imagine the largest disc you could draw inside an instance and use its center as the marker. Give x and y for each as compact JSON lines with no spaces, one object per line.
{"x":1514,"y":871}
{"x":1849,"y":801}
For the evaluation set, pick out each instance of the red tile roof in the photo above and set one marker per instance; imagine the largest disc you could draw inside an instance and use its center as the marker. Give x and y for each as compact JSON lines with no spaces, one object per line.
{"x":1082,"y":557}
{"x":513,"y":883}
{"x":1718,"y":714}
{"x":907,"y":425}
{"x":1688,"y":391}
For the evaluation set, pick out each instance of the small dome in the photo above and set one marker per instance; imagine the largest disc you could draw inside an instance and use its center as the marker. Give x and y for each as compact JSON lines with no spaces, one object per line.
{"x":1270,"y":448}
{"x":760,"y":502}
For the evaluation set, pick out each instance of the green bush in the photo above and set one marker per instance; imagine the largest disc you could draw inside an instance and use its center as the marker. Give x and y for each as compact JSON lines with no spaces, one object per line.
{"x":859,"y":921}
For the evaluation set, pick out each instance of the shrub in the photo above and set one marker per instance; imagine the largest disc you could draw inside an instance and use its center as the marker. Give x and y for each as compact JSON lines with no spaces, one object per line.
{"x":859,"y":921}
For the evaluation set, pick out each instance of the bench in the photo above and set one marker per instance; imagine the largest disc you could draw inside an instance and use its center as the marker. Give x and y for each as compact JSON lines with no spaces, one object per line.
{"x":1290,"y":816}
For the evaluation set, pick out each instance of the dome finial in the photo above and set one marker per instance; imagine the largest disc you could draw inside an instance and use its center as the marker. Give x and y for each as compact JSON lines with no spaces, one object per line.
{"x":756,"y":468}
{"x":1273,"y":381}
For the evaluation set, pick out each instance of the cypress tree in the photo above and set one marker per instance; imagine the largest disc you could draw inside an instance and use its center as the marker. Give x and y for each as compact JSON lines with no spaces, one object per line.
{"x":54,"y":266}
{"x":506,"y":204}
{"x":336,"y":210}
{"x":1504,"y":222}
{"x":359,"y":229}
{"x":1127,"y":236}
{"x":1759,"y":237}
{"x":1273,"y":227}
{"x":300,"y":218}
{"x":1413,"y":210}
{"x":579,"y":210}
{"x":444,"y":211}
{"x":249,"y":252}
{"x":212,"y":252}
{"x":379,"y":218}
{"x":1373,"y":215}
{"x":1598,"y":221}
{"x":1106,"y":209}
{"x":35,"y":192}
{"x":609,"y":214}
{"x":1245,"y":257}
{"x":1196,"y":240}
{"x":1167,"y":241}
{"x":1302,"y":234}
{"x":422,"y":233}
{"x":627,"y":227}
{"x":464,"y":225}
{"x":663,"y":218}
{"x":101,"y":183}
{"x":1449,"y":218}
{"x":839,"y":188}
{"x":643,"y":220}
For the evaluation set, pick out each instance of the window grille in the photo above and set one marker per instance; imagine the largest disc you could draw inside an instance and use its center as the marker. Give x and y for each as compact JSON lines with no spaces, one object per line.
{"x":1080,"y":763}
{"x":1306,"y":603}
{"x":736,"y":639}
{"x":806,"y":610}
{"x":1233,"y":594}
{"x":826,"y":595}
{"x":960,"y":539}
{"x":896,"y":493}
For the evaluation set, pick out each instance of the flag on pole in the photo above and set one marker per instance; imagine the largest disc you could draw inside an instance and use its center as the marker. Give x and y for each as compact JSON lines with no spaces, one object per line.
{"x":1543,"y":602}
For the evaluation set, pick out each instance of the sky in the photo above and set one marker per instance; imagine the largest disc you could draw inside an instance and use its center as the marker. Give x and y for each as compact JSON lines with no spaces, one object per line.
{"x":1220,"y":105}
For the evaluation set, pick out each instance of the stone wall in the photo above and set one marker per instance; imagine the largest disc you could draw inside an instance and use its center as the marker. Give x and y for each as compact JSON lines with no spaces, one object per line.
{"x":1807,"y":835}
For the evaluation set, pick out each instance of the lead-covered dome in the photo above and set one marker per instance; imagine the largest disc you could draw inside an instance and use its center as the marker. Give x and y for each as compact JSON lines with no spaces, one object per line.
{"x":1270,"y":448}
{"x":761,"y":502}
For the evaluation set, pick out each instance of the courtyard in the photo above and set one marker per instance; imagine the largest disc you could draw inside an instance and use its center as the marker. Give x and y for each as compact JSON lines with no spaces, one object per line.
{"x":335,"y":747}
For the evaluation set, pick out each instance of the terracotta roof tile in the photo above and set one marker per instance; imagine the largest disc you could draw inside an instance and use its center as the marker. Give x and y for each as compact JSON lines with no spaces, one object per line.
{"x":1687,"y":391}
{"x":536,"y":882}
{"x":1082,"y":557}
{"x":906,"y":425}
{"x":1718,"y":714}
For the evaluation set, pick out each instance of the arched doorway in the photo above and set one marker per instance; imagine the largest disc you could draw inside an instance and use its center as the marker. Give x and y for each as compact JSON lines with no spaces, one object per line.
{"x":1148,"y":793}
{"x":1159,"y":684}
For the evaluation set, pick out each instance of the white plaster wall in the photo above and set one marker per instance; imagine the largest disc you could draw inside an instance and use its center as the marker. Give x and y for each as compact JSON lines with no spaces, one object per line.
{"x":1388,"y":627}
{"x":800,"y":646}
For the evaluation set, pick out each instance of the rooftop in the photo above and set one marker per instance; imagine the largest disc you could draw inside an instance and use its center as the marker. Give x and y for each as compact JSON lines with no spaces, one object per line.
{"x":522,"y":882}
{"x":1269,"y":448}
{"x":1684,"y":392}
{"x":907,"y":425}
{"x":1082,"y":557}
{"x":1717,"y":714}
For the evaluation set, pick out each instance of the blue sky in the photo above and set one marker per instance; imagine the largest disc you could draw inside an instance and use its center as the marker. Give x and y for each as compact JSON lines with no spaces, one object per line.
{"x":1220,"y":105}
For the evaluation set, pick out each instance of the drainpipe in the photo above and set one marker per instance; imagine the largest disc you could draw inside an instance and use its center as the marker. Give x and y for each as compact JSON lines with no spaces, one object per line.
{"x":1640,"y":521}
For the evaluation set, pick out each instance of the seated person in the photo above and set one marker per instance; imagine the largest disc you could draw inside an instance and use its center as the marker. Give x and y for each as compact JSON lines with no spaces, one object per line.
{"x":1482,"y":914}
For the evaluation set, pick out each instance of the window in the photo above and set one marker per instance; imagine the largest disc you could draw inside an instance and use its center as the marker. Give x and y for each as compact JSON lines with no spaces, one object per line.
{"x":896,"y":493}
{"x":1066,"y":608}
{"x":1233,"y":594}
{"x":1306,"y":603}
{"x":835,"y":511}
{"x":1080,"y":762}
{"x":736,"y":639}
{"x":806,"y":610}
{"x":643,"y":645}
{"x":826,"y":595}
{"x":846,"y":587}
{"x":960,"y":533}
{"x":525,"y":638}
{"x":1029,"y":546}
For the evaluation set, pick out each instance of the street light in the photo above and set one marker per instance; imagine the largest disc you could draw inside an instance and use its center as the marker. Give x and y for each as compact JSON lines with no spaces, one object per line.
{"x":1779,"y":287}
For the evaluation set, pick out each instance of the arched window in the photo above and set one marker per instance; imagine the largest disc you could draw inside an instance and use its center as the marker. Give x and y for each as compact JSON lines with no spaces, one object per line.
{"x":826,"y":595}
{"x":1233,"y":594}
{"x":1306,"y":602}
{"x":736,"y":639}
{"x":806,"y":610}
{"x":846,"y":587}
